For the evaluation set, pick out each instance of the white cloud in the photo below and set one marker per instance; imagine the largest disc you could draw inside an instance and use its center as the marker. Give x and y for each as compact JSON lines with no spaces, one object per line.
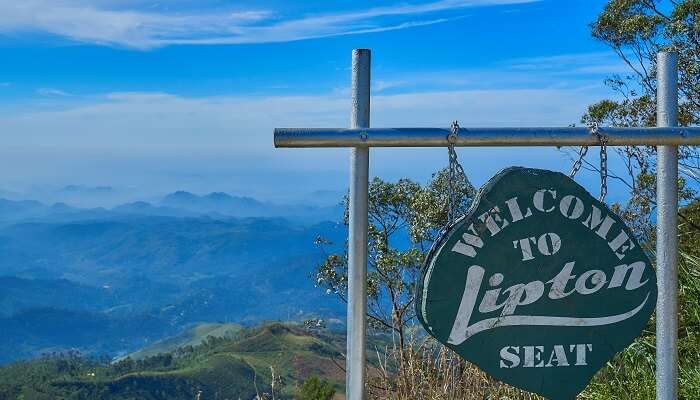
{"x":380,"y":85}
{"x":559,"y":71}
{"x":97,"y":22}
{"x":152,"y":120}
{"x":572,"y":64}
{"x":225,"y":142}
{"x":52,"y":92}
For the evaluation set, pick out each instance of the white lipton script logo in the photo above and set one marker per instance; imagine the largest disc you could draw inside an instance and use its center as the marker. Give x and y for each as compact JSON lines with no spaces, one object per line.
{"x":524,"y":294}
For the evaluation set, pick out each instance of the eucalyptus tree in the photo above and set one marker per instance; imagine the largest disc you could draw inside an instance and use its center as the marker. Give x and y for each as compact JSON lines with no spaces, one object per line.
{"x":636,"y":30}
{"x":405,"y":218}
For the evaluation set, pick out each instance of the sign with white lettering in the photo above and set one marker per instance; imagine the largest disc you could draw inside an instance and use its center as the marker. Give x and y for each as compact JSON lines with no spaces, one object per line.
{"x":539,"y":284}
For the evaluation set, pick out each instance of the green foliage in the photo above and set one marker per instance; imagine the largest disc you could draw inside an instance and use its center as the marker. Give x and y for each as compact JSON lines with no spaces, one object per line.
{"x":315,"y":388}
{"x":631,"y":374}
{"x":637,"y":30}
{"x":405,"y":217}
{"x":243,"y":365}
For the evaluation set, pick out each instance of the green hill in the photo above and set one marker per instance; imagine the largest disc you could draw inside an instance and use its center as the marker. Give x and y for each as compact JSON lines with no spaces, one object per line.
{"x":236,"y":365}
{"x":193,"y":336}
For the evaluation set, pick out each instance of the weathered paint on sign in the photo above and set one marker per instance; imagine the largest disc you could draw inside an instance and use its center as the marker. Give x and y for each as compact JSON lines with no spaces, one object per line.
{"x":539,"y":284}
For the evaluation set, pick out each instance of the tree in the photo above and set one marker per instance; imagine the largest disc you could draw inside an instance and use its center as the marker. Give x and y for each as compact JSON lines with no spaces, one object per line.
{"x":405,"y":218}
{"x":314,"y":388}
{"x":637,"y":30}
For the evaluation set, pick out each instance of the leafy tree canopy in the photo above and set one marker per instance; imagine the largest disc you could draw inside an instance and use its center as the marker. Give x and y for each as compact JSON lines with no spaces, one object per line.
{"x":405,"y":218}
{"x":314,"y":388}
{"x":637,"y":30}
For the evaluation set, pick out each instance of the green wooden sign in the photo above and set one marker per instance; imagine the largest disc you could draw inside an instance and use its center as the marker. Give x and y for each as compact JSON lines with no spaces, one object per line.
{"x":539,"y":284}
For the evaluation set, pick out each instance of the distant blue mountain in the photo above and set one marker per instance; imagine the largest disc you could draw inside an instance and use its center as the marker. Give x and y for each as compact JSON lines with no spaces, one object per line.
{"x":33,"y":332}
{"x":145,"y":208}
{"x":26,"y":207}
{"x":218,"y":203}
{"x":107,"y":280}
{"x":215,"y":205}
{"x":237,"y":206}
{"x":32,"y":211}
{"x":87,"y":189}
{"x":21,"y":294}
{"x":158,"y":268}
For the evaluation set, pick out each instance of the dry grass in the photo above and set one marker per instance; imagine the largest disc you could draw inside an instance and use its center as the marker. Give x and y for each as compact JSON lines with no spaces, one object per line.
{"x":426,"y":370}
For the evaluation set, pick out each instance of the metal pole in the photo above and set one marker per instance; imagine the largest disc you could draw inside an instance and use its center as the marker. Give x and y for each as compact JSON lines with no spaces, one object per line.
{"x":357,"y":240}
{"x":667,"y":232}
{"x":437,"y":137}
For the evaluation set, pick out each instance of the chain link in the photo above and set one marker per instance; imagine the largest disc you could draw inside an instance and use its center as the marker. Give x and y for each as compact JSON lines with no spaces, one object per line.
{"x":603,"y":141}
{"x":577,"y":164}
{"x":603,"y":166}
{"x":454,"y":172}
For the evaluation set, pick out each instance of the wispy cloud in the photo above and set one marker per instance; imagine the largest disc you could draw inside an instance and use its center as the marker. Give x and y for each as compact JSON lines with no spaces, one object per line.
{"x":97,"y":22}
{"x":5,"y":84}
{"x":52,"y":92}
{"x":571,"y":64}
{"x":161,"y":121}
{"x":555,"y":71}
{"x":160,"y":137}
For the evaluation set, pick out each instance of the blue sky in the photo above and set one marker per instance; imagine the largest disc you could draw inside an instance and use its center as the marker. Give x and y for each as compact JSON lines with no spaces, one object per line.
{"x":183,"y":94}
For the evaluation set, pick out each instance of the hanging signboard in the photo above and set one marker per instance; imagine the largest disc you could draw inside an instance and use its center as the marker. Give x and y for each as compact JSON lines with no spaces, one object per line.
{"x":539,"y":284}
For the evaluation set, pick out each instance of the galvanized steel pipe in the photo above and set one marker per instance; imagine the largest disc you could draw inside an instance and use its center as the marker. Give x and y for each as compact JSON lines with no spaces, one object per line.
{"x":437,"y":137}
{"x":357,"y":239}
{"x":667,"y":232}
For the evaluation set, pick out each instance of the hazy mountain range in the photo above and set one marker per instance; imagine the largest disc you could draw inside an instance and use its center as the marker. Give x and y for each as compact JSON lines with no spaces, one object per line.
{"x":178,"y":204}
{"x":112,"y":280}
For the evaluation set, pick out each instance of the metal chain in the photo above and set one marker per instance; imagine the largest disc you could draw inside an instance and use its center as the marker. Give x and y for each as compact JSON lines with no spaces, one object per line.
{"x":577,"y":164}
{"x":603,"y":163}
{"x":454,"y":171}
{"x":603,"y":141}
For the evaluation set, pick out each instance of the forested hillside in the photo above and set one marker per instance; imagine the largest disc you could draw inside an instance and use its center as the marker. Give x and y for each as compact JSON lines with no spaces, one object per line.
{"x":240,"y":365}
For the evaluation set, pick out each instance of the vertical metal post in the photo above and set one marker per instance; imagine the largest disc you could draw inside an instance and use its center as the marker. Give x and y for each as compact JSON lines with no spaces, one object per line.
{"x":667,"y":232}
{"x":357,"y":240}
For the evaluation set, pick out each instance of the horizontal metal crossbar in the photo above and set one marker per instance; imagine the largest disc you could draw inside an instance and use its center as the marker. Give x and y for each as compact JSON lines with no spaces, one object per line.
{"x":437,"y":137}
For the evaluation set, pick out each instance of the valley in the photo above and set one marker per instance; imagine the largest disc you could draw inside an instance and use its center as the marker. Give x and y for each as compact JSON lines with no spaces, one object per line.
{"x":107,"y":282}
